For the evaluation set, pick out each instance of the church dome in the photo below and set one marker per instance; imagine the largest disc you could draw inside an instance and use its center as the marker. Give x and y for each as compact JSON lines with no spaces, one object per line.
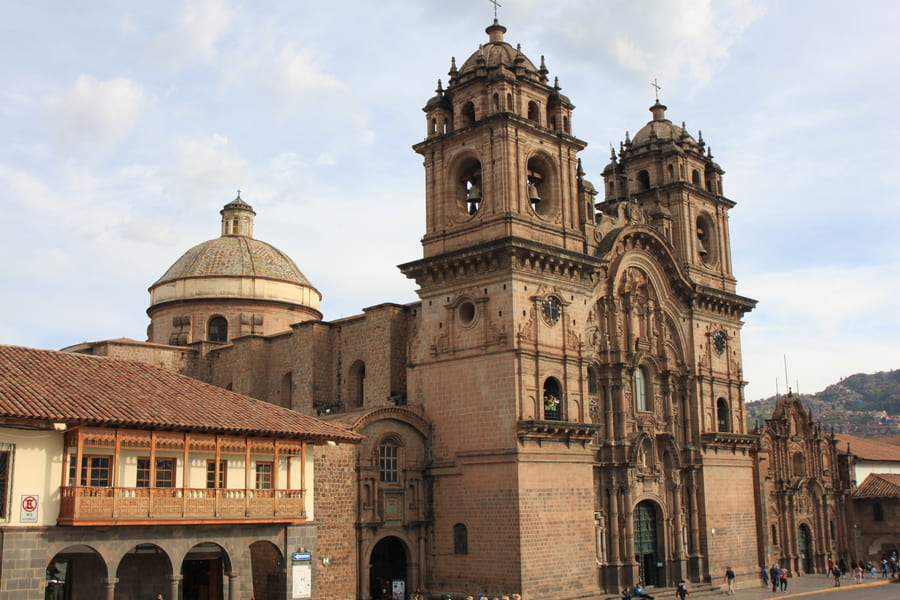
{"x":235,"y":256}
{"x":660,"y":128}
{"x":498,"y":54}
{"x":248,"y":284}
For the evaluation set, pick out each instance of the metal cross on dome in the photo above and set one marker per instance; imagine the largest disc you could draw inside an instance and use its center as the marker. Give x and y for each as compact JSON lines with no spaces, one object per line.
{"x":496,"y":5}
{"x":656,"y":85}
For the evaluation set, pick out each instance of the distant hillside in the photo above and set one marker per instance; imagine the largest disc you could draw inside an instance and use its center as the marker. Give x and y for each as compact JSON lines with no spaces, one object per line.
{"x":866,"y":405}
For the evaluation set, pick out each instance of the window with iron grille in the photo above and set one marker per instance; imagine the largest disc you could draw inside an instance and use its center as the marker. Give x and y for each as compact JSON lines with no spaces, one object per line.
{"x":387,"y":463}
{"x":5,"y":464}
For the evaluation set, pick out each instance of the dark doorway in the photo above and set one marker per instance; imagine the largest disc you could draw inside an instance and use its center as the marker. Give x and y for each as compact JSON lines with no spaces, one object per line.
{"x":202,"y":579}
{"x":388,"y":566}
{"x":804,"y":545}
{"x":646,"y":542}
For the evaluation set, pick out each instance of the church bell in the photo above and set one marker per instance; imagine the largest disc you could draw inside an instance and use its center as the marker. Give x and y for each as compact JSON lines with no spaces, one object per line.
{"x":533,"y":196}
{"x":473,"y":198}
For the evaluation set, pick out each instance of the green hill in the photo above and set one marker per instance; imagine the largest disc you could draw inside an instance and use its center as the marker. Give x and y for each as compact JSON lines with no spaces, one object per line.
{"x":865,"y":404}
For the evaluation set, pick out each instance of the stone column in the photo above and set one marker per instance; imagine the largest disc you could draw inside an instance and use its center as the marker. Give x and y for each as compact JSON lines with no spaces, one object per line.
{"x":111,"y":587}
{"x":614,"y":525}
{"x":232,"y":585}
{"x":174,"y":583}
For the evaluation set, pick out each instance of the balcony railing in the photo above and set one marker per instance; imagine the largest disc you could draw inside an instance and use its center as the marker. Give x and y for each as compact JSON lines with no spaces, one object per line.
{"x":92,"y":504}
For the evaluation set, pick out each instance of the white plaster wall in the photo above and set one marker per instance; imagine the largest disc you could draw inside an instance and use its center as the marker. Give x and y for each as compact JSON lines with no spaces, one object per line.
{"x":36,"y":470}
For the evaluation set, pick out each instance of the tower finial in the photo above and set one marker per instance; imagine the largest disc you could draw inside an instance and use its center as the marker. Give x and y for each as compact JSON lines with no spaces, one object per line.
{"x":656,"y":85}
{"x":496,"y":6}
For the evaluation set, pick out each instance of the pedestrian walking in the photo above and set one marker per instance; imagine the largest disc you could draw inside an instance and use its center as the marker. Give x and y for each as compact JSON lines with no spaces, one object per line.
{"x":729,"y":579}
{"x":784,"y":581}
{"x":836,"y":573}
{"x":775,"y":576}
{"x":858,"y":573}
{"x":681,"y":591}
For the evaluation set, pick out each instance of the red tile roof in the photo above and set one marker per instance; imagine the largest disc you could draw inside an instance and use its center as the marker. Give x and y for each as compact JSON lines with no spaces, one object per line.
{"x":873,"y":449}
{"x":879,"y":485}
{"x":76,"y":388}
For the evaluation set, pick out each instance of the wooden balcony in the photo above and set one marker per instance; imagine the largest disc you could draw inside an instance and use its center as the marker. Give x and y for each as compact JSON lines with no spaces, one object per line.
{"x":140,"y":506}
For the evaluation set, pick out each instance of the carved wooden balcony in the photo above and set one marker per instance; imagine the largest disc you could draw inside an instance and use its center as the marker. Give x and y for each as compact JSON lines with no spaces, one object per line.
{"x":81,"y":505}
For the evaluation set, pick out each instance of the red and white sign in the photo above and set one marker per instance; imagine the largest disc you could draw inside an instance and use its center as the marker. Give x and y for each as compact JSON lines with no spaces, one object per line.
{"x":29,"y":509}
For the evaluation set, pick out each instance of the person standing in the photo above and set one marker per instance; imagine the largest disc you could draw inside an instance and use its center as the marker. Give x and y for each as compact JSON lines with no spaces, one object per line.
{"x":836,"y":573}
{"x":764,"y":575}
{"x":858,"y":573}
{"x":784,"y":581}
{"x":682,"y":590}
{"x":775,"y":576}
{"x":729,"y":579}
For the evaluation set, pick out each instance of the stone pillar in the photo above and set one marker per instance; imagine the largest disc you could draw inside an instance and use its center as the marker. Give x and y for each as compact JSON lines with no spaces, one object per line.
{"x":174,"y":584}
{"x":232,"y":585}
{"x":628,"y":515}
{"x":111,"y":587}
{"x":615,"y":555}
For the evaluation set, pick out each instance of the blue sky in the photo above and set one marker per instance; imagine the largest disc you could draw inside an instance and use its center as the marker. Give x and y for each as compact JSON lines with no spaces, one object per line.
{"x":126,"y":126}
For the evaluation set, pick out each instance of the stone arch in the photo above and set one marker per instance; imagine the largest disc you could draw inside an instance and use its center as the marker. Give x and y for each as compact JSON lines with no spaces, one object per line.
{"x":466,"y":183}
{"x":217,"y":329}
{"x":267,"y":570}
{"x":390,"y":560}
{"x":649,"y":546}
{"x":76,"y":566}
{"x":356,"y":384}
{"x":542,"y":184}
{"x":706,"y":237}
{"x":203,"y":568}
{"x":144,"y":568}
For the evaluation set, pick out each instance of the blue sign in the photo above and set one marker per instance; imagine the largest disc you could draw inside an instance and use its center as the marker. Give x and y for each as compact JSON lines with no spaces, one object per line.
{"x":301,"y":556}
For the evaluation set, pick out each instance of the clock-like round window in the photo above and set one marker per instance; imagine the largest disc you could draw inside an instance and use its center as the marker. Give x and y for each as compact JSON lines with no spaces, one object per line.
{"x":466,"y":312}
{"x":719,"y":341}
{"x":550,"y":310}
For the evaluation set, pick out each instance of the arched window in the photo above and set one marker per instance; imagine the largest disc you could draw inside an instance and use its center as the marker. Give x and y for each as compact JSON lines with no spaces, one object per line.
{"x":640,"y":389}
{"x":593,"y":381}
{"x":552,"y":400}
{"x":356,"y":392}
{"x":433,"y":125}
{"x":468,"y":114}
{"x":671,"y":173}
{"x":496,"y":102}
{"x":287,"y":386}
{"x":533,"y":112}
{"x":877,"y":512}
{"x":460,"y":539}
{"x":509,"y":102}
{"x":723,"y":414}
{"x":799,"y":465}
{"x":388,"y":462}
{"x":218,"y":330}
{"x":566,"y":127}
{"x":695,"y":177}
{"x":643,"y":178}
{"x":774,"y":536}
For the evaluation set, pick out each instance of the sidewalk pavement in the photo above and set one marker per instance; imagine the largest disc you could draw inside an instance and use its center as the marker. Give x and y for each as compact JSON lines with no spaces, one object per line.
{"x":799,"y":586}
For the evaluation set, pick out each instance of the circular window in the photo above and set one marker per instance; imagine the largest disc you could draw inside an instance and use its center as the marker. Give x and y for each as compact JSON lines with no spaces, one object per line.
{"x":466,"y":312}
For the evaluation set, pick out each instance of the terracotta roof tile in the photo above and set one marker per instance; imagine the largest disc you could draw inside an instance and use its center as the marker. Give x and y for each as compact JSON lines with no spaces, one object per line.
{"x":868,"y":448}
{"x":879,"y":485}
{"x":56,"y":386}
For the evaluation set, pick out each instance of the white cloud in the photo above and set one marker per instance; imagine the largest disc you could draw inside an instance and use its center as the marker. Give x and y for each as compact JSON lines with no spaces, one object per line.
{"x":196,"y":35}
{"x":93,"y":116}
{"x":205,"y":163}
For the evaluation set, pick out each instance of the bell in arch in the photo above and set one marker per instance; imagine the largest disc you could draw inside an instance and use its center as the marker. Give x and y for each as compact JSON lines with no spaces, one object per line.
{"x":701,"y":249}
{"x":473,"y":198}
{"x":533,"y":197}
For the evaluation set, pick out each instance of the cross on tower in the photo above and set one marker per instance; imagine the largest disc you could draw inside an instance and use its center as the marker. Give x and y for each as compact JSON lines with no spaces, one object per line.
{"x":496,"y":5}
{"x":656,"y":85}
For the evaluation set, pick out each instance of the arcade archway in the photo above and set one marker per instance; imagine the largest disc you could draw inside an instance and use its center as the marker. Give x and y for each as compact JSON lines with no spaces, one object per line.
{"x":388,"y":577}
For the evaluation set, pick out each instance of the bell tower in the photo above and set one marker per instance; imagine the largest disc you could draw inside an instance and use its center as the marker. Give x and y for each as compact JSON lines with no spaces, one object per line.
{"x":496,"y":359}
{"x":500,"y":155}
{"x":673,"y":177}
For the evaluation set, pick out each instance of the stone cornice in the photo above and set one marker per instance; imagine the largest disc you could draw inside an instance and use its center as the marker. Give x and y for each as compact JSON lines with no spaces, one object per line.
{"x":511,"y":253}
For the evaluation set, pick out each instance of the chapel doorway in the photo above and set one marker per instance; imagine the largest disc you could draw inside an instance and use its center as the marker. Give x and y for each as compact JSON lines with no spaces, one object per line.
{"x":646,"y":543}
{"x":804,"y":546}
{"x":387,"y":570}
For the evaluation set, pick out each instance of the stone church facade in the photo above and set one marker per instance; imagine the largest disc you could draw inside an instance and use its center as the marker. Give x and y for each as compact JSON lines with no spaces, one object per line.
{"x":561,"y":413}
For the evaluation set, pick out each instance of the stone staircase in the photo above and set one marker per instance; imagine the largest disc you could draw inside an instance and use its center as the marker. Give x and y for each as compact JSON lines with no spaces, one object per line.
{"x":697,"y":590}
